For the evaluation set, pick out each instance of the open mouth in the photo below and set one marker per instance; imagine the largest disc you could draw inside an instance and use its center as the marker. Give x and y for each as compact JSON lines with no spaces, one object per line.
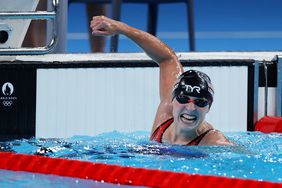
{"x":188,"y":118}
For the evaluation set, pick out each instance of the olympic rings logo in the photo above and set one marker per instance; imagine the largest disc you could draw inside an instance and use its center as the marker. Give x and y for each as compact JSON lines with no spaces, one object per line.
{"x":7,"y":103}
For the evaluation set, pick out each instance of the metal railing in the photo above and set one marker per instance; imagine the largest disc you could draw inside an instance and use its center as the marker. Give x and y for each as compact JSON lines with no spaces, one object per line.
{"x":39,"y":15}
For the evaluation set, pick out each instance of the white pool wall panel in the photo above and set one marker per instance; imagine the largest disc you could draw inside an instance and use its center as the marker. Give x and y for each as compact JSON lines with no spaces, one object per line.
{"x":271,"y":102}
{"x":89,"y":101}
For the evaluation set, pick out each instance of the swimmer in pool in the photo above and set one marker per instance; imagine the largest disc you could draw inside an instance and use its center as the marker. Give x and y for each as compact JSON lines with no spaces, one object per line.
{"x":185,"y":97}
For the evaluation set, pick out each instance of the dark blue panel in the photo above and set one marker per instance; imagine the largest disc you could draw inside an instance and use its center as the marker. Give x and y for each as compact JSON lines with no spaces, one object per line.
{"x":17,"y":103}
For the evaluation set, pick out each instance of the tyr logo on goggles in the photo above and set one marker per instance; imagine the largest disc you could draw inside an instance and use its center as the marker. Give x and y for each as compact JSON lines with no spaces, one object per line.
{"x":183,"y":99}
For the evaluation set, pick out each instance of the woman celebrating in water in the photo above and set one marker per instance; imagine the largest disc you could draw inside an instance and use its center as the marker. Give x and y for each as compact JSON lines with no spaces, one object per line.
{"x":185,"y":97}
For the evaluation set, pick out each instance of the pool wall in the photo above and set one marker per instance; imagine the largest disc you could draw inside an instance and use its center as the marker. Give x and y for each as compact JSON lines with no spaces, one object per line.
{"x":69,"y":94}
{"x":94,"y":100}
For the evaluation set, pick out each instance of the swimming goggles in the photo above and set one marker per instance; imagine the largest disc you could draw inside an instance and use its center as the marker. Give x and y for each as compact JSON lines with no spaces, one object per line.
{"x":183,"y":99}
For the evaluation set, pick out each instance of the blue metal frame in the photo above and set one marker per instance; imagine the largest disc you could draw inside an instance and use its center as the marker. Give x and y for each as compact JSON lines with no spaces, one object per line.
{"x":152,"y":16}
{"x":256,"y":90}
{"x":279,"y":86}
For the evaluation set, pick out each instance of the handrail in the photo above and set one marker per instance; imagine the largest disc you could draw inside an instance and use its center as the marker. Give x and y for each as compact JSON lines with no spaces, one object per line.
{"x":28,"y":15}
{"x":38,"y":15}
{"x":30,"y":51}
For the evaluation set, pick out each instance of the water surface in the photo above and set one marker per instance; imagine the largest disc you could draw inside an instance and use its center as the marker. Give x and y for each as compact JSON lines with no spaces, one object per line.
{"x":257,"y":156}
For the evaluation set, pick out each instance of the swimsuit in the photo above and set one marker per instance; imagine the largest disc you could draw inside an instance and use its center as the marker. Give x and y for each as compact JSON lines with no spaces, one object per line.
{"x":158,"y":133}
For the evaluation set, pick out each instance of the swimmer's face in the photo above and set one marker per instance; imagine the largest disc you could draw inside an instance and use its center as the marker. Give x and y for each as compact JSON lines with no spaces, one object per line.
{"x":189,"y":112}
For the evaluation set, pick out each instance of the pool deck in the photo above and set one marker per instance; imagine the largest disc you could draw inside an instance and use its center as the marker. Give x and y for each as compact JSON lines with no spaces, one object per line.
{"x":127,"y":57}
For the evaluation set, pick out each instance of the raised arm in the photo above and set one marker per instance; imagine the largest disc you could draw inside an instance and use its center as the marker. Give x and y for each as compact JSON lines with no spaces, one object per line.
{"x":170,"y":67}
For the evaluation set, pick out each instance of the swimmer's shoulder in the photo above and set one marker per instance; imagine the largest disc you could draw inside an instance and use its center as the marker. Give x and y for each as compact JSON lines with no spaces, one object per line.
{"x":214,"y":137}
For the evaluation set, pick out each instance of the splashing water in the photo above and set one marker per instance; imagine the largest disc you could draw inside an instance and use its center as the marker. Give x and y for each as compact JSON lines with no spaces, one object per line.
{"x":256,"y":155}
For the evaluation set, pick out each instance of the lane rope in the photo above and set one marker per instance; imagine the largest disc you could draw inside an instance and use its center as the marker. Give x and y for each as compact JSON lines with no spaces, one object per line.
{"x":121,"y":174}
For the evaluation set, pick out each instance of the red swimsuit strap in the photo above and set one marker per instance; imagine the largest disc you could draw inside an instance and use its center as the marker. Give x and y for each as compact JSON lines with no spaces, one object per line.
{"x":158,"y":133}
{"x":198,"y":139}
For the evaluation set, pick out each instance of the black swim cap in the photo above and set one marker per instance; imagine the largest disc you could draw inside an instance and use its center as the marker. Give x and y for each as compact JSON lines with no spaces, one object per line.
{"x":194,"y":83}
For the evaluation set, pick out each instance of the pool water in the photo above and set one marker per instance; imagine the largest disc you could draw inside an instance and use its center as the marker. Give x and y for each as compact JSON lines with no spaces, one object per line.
{"x":256,"y":156}
{"x":12,"y":179}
